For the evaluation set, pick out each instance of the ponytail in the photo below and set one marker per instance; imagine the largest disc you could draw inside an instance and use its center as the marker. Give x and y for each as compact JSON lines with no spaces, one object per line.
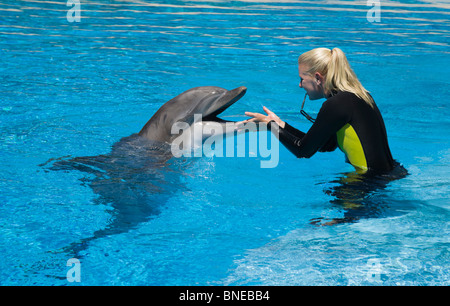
{"x":339,"y":76}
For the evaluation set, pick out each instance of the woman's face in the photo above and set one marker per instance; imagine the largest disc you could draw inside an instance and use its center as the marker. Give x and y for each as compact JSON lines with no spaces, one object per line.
{"x":311,"y":83}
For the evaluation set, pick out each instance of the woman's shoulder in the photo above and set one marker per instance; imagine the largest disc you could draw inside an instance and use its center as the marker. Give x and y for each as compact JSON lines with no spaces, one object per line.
{"x":343,"y":95}
{"x":343,"y":98}
{"x":339,"y":98}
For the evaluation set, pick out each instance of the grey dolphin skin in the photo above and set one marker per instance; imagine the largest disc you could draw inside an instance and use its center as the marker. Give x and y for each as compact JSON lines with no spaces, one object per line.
{"x":209,"y":101}
{"x":138,"y":176}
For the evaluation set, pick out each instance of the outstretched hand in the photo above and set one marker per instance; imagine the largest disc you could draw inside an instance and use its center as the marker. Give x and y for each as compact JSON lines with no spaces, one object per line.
{"x":257,"y":117}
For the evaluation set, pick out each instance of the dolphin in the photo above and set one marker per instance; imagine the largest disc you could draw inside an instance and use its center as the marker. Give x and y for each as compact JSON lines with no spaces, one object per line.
{"x":138,"y":176}
{"x":199,"y":105}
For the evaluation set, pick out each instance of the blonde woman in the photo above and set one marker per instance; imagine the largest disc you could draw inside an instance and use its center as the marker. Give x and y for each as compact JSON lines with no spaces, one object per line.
{"x":349,"y":118}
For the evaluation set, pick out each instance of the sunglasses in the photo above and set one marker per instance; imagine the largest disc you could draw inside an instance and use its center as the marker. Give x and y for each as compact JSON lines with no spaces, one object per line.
{"x":304,"y":113}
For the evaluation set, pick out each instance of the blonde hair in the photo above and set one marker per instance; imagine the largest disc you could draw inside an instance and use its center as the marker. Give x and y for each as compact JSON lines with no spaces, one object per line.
{"x":338,"y":74}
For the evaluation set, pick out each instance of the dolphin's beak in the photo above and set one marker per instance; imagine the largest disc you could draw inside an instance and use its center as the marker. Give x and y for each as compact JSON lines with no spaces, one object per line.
{"x":236,"y":93}
{"x":226,"y":100}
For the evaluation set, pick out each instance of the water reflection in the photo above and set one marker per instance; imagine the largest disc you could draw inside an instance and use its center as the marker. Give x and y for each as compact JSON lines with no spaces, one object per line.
{"x":134,"y":180}
{"x":285,"y":20}
{"x":358,"y":195}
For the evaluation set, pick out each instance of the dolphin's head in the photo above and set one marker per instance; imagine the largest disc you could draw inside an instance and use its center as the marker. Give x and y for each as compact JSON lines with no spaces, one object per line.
{"x":216,"y":101}
{"x":207,"y":101}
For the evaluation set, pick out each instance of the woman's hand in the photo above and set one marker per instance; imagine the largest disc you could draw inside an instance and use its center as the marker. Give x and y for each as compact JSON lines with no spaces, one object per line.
{"x":264,"y":118}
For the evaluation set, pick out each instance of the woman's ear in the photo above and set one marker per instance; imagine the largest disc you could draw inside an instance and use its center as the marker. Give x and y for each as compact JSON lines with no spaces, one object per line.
{"x":319,"y":78}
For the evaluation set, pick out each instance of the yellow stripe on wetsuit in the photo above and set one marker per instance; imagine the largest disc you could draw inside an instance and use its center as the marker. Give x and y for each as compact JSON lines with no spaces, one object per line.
{"x":350,"y":144}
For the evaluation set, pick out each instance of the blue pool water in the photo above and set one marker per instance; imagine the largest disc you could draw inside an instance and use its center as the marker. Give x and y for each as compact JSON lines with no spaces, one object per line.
{"x":75,"y":89}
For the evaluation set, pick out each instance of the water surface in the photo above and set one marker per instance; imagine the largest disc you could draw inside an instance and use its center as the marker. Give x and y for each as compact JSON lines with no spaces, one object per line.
{"x":71,"y":90}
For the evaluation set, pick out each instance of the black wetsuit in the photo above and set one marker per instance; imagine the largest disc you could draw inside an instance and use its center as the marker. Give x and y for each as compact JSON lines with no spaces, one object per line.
{"x":350,"y":123}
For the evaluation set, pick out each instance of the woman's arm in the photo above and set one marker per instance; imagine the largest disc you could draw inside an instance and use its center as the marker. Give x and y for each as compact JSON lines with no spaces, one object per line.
{"x":292,"y":139}
{"x":321,"y":137}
